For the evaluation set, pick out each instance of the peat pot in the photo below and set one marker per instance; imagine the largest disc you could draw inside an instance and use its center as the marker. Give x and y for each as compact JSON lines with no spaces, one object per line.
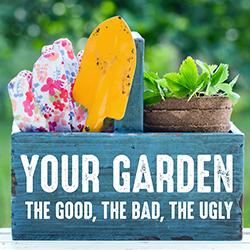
{"x":200,"y":114}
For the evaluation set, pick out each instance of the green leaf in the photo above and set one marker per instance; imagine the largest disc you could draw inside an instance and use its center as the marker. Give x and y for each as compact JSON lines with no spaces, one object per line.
{"x":202,"y":81}
{"x":161,"y":91}
{"x":212,"y":68}
{"x":167,"y":93}
{"x":152,"y":100}
{"x":173,"y":83}
{"x":198,"y":89}
{"x":151,"y":75}
{"x":161,"y":82}
{"x":234,"y":97}
{"x":211,"y":90}
{"x":173,"y":79}
{"x":150,"y":84}
{"x":225,"y":87}
{"x":232,"y":83}
{"x":220,"y":75}
{"x":207,"y":88}
{"x":189,"y":73}
{"x":204,"y":67}
{"x":151,"y":97}
{"x":152,"y":93}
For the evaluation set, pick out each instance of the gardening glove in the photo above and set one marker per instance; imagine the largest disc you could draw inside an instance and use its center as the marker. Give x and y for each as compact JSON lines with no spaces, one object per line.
{"x":51,"y":89}
{"x":79,"y":56}
{"x":71,"y":65}
{"x":27,"y":115}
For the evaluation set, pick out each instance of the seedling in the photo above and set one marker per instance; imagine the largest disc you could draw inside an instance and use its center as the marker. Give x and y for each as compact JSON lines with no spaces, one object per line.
{"x":189,"y":82}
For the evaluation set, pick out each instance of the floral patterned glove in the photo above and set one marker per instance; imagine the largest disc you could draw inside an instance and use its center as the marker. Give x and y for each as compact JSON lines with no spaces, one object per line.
{"x":51,"y":89}
{"x":27,"y":115}
{"x":78,"y":114}
{"x":42,"y":100}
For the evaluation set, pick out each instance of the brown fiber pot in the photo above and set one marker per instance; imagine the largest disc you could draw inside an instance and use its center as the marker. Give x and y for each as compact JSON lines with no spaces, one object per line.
{"x":200,"y":114}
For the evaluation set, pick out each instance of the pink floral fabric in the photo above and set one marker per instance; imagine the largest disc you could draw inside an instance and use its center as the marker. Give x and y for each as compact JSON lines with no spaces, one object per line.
{"x":79,"y":56}
{"x":47,"y":90}
{"x":27,"y":114}
{"x":44,"y":97}
{"x":71,"y":64}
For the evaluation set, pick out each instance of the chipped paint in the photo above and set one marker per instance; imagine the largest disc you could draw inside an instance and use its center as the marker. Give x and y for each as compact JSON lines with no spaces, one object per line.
{"x":109,"y":57}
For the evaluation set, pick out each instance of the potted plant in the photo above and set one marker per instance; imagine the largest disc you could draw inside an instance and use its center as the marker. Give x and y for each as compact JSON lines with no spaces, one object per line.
{"x":190,"y":100}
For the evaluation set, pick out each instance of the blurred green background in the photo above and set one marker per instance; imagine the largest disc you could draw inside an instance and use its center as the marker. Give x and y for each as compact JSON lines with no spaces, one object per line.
{"x":211,"y":30}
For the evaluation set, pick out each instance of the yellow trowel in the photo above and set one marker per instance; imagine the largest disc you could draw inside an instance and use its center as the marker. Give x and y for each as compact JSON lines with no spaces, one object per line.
{"x":106,"y":73}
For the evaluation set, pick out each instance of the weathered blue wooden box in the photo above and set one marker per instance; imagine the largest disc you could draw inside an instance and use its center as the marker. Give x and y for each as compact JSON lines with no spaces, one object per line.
{"x":198,"y":168}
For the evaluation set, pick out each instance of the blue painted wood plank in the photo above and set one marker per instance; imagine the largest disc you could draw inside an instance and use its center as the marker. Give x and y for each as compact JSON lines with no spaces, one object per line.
{"x":133,"y":119}
{"x":106,"y":147}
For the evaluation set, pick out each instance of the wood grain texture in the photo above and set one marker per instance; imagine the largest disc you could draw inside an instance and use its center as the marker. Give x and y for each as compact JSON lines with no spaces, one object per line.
{"x":127,"y":140}
{"x":133,"y":119}
{"x":106,"y":146}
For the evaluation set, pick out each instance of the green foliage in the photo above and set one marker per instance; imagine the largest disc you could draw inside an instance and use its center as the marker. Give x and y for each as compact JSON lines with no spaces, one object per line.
{"x":217,"y":77}
{"x":154,"y":91}
{"x":188,"y":82}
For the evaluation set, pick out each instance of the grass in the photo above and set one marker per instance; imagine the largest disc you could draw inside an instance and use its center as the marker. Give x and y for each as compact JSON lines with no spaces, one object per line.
{"x":241,"y":118}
